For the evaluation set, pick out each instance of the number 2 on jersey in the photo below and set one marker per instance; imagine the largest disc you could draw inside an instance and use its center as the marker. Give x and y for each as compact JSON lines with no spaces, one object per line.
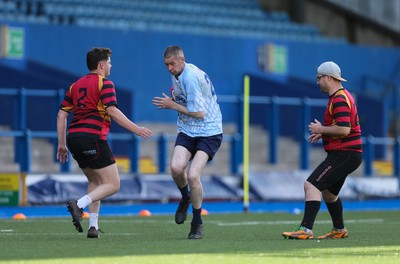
{"x":83,"y":93}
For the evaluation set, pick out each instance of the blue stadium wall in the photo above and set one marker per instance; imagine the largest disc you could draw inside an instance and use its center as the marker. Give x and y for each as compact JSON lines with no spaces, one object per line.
{"x":138,"y":64}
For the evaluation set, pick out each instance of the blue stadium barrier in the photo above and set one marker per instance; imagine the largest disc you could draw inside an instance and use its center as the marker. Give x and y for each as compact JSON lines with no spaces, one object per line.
{"x":24,"y":135}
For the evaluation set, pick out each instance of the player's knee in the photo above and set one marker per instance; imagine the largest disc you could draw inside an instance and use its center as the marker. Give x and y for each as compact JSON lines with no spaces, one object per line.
{"x":116,"y":187}
{"x":194,"y":180}
{"x":308,"y":186}
{"x":177,"y":170}
{"x":329,"y":197}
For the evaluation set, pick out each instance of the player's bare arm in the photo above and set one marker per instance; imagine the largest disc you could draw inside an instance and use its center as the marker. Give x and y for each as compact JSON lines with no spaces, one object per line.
{"x":123,"y":121}
{"x":62,"y":150}
{"x":167,"y":102}
{"x":316,"y":127}
{"x":313,"y":138}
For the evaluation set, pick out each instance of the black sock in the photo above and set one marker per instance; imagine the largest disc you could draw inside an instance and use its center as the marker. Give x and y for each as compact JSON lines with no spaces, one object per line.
{"x":185,"y":192}
{"x":197,"y":217}
{"x":336,"y":211}
{"x":311,"y":210}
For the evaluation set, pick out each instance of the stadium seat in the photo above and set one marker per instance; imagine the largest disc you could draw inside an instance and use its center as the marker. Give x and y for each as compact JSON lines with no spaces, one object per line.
{"x":223,"y":17}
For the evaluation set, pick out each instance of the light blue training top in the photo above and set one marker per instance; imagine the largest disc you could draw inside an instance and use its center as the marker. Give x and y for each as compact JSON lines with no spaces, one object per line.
{"x":194,"y":90}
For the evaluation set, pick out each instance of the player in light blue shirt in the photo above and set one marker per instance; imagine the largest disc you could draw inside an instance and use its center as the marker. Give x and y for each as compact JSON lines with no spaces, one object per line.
{"x":199,"y":132}
{"x":194,"y":90}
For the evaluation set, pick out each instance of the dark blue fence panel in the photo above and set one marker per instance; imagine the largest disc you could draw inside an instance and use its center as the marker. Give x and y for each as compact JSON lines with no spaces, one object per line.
{"x":24,"y":136}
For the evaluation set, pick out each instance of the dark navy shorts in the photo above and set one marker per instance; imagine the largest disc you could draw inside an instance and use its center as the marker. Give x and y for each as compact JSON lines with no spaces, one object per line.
{"x":209,"y":145}
{"x":90,"y":152}
{"x":332,"y":172}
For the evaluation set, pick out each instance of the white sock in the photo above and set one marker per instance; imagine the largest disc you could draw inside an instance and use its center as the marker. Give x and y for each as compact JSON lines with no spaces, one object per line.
{"x":93,"y":220}
{"x":84,"y":201}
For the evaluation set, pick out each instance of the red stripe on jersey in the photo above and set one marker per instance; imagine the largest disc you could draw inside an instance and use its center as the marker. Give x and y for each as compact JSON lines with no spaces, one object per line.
{"x":342,"y":111}
{"x":88,"y":98}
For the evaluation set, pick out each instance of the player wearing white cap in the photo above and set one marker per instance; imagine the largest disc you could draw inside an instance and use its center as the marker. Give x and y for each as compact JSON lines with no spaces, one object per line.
{"x":341,"y":136}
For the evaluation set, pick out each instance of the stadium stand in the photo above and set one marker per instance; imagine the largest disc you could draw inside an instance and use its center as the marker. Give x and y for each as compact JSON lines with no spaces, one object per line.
{"x":220,"y":17}
{"x":384,"y":13}
{"x":216,"y":18}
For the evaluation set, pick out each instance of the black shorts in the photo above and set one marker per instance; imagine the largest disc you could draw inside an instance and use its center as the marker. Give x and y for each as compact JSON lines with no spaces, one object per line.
{"x":90,"y":152}
{"x":332,"y":172}
{"x":209,"y":145}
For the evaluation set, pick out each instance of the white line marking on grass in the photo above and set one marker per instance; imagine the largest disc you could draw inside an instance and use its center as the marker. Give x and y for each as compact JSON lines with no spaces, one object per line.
{"x":6,"y":230}
{"x":35,"y":234}
{"x":248,"y":223}
{"x":136,"y":221}
{"x":64,"y":234}
{"x":368,"y":221}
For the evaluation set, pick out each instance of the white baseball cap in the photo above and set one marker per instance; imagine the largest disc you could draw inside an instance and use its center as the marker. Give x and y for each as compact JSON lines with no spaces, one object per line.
{"x":332,"y":69}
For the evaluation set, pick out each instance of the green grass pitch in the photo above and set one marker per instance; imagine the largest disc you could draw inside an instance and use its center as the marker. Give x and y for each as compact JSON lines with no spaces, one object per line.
{"x":374,"y":237}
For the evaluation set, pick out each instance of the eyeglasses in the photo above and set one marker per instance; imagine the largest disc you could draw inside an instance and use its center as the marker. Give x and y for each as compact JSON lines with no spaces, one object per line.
{"x":320,"y":76}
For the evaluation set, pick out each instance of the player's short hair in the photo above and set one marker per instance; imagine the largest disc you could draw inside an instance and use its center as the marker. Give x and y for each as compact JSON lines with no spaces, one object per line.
{"x":95,"y":55}
{"x":175,"y":51}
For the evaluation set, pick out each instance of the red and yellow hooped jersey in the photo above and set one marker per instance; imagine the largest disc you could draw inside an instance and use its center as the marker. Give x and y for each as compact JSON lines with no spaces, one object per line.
{"x":88,"y":98}
{"x":342,"y":111}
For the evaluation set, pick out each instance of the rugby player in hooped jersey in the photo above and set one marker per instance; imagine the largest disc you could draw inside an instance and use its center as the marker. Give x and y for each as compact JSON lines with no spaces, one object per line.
{"x":341,"y":136}
{"x":199,"y":132}
{"x":93,"y":101}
